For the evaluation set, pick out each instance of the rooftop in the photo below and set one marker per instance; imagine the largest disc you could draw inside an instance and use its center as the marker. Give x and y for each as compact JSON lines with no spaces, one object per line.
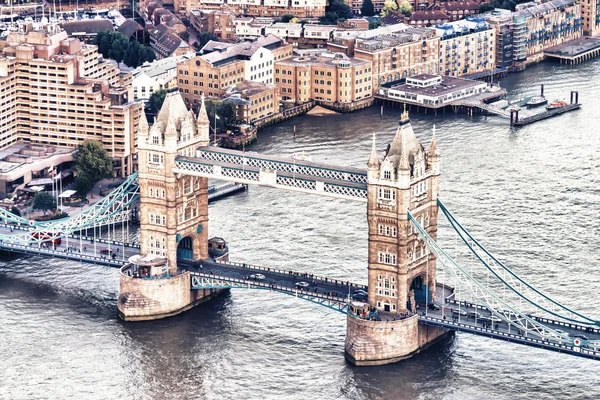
{"x":543,"y":8}
{"x":324,"y":59}
{"x":447,"y":85}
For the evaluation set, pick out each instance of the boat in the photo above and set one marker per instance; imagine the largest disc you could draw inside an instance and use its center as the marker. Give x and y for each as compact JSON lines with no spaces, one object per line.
{"x":537,"y":101}
{"x":556,"y":104}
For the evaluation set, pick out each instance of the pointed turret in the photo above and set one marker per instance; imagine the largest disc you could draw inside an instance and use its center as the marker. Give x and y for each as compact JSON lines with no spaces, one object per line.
{"x":373,"y":158}
{"x":433,"y":149}
{"x":203,"y":124}
{"x":404,"y":164}
{"x":143,"y":127}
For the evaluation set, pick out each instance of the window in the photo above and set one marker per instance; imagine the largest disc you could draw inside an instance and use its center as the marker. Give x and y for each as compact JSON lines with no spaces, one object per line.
{"x":387,"y":174}
{"x":387,"y":194}
{"x":187,"y":186}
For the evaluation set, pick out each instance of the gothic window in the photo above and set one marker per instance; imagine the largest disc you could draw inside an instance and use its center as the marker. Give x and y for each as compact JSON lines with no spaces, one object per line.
{"x":155,"y":139}
{"x":187,"y":186}
{"x":387,"y":175}
{"x":387,"y":194}
{"x":188,"y":213}
{"x":388,"y":231}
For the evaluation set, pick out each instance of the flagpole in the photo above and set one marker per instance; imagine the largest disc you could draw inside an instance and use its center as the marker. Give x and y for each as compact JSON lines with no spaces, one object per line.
{"x":215,"y":131}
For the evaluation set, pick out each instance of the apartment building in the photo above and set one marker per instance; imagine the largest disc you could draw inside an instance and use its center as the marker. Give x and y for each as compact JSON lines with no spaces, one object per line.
{"x":56,"y":91}
{"x":256,"y":8}
{"x":467,"y":47}
{"x":218,"y":22}
{"x":501,"y":21}
{"x":224,"y":65}
{"x":254,"y":100}
{"x":590,"y":14}
{"x":248,"y":28}
{"x":398,"y":53}
{"x":327,"y":76}
{"x":287,"y":31}
{"x":538,"y":27}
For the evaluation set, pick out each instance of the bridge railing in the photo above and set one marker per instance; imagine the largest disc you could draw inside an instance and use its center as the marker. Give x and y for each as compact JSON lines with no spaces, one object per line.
{"x":511,"y":336}
{"x":297,"y":274}
{"x":32,"y":249}
{"x":266,"y":285}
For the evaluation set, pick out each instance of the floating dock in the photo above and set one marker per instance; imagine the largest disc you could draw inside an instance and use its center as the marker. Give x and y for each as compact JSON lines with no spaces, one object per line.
{"x":573,"y":105}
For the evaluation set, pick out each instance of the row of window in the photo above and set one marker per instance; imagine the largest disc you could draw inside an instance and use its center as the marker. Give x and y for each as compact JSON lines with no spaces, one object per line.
{"x":158,"y":220}
{"x":158,"y":247}
{"x":387,"y":230}
{"x":158,"y":193}
{"x":386,"y":258}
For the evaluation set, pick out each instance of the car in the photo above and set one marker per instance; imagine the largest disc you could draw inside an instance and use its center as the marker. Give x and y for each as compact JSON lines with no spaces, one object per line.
{"x":495,"y":319}
{"x":302,"y":285}
{"x":257,"y":277}
{"x":360,"y":297}
{"x":579,"y":336}
{"x":476,"y":315}
{"x":433,"y":306}
{"x":459,"y":312}
{"x":361,"y":291}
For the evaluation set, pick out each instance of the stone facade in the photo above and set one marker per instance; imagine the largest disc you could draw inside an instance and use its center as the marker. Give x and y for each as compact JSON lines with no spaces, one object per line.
{"x":385,"y":342}
{"x":172,"y":207}
{"x":149,"y":299}
{"x":406,"y":179}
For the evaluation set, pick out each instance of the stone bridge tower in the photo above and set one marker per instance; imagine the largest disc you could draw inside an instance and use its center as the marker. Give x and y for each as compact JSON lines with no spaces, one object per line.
{"x":401,"y":270}
{"x":172,"y":207}
{"x":406,"y":179}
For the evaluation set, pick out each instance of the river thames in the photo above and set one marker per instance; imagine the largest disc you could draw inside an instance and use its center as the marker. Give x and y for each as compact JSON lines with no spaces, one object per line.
{"x":531,"y":195}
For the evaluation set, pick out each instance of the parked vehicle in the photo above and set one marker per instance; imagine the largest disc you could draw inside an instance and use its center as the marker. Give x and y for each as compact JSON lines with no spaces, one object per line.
{"x":302,"y":285}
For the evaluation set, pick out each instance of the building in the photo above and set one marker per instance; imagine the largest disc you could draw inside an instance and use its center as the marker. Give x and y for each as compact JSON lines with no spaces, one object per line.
{"x":151,"y":77}
{"x":86,"y":30}
{"x":502,"y":22}
{"x":57,"y":91}
{"x":434,"y":91}
{"x":428,"y":18}
{"x":538,"y":27}
{"x":166,"y":43}
{"x":247,"y":28}
{"x":254,"y":100}
{"x":467,"y":47}
{"x":457,"y":10}
{"x":355,"y":5}
{"x":286,"y":31}
{"x":256,"y":8}
{"x":590,"y":15}
{"x":219,"y":22}
{"x":223,"y":65}
{"x":330,"y":77}
{"x":405,"y":51}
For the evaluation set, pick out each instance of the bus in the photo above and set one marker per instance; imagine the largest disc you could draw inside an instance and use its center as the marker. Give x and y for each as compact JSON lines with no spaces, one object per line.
{"x":48,"y":237}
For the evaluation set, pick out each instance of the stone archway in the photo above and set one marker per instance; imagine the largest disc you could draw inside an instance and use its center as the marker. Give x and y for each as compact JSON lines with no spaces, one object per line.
{"x":421,"y":289}
{"x":186,"y":246}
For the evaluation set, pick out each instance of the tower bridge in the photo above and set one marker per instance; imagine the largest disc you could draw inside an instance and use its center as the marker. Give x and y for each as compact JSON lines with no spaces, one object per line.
{"x":417,"y":292}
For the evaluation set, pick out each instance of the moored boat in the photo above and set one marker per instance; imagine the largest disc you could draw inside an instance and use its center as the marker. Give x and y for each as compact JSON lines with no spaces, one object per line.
{"x":537,"y":101}
{"x":556,"y":104}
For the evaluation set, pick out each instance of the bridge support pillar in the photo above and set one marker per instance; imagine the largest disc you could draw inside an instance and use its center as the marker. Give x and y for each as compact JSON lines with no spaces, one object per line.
{"x":144,"y":299}
{"x":383,"y":342}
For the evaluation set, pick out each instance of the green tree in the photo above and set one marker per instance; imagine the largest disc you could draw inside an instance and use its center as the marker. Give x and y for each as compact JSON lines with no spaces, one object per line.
{"x":287,"y":18}
{"x":204,"y":38}
{"x":156,"y":100}
{"x":44,"y":201}
{"x":485,"y":7}
{"x":367,"y":9}
{"x":103,"y":41}
{"x":91,"y":165}
{"x":132,"y":55}
{"x":342,"y":9}
{"x":225,"y":111}
{"x":405,"y":8}
{"x":389,"y":5}
{"x":374,"y":24}
{"x":146,"y":53}
{"x":118,"y":48}
{"x":15,"y":211}
{"x":185,"y":36}
{"x":330,"y":18}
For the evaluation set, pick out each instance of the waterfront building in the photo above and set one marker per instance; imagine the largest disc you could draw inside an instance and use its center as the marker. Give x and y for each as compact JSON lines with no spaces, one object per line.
{"x":256,"y":8}
{"x":405,"y":52}
{"x":434,"y":91}
{"x":254,"y":100}
{"x":539,"y":27}
{"x":151,"y":77}
{"x":57,"y":91}
{"x":226,"y":64}
{"x":334,"y":78}
{"x":428,"y":18}
{"x":501,"y":21}
{"x":467,"y":47}
{"x":457,"y":10}
{"x":590,"y":15}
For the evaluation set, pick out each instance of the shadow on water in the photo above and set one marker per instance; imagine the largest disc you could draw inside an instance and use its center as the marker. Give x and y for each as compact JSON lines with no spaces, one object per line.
{"x":406,"y":379}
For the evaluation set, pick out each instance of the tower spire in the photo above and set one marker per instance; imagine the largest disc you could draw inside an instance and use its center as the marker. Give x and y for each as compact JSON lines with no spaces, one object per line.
{"x":433,"y":149}
{"x":373,"y":158}
{"x":202,"y":123}
{"x":404,"y":162}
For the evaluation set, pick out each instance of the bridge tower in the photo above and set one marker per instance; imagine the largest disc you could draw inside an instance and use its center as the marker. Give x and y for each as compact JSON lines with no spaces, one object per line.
{"x":401,"y":272}
{"x":173,"y":212}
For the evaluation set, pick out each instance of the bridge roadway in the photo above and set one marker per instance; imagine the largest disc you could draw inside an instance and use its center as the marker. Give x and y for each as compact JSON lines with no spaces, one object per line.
{"x":329,"y":292}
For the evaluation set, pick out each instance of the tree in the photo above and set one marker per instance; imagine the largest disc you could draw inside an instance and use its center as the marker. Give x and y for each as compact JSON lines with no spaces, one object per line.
{"x":225,"y":111}
{"x":185,"y":36}
{"x":287,"y":18}
{"x":367,"y":9}
{"x":330,"y":18}
{"x":389,"y":5}
{"x":405,"y":8}
{"x":156,"y":100}
{"x":204,"y":38}
{"x":374,"y":24}
{"x":132,"y":55}
{"x":15,"y":211}
{"x":485,"y":7}
{"x":44,"y":201}
{"x":91,"y":165}
{"x":336,"y":10}
{"x":145,"y":53}
{"x":118,"y":48}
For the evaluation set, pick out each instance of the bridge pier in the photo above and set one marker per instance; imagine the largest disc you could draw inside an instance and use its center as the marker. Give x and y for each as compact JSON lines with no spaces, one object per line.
{"x":370,"y":342}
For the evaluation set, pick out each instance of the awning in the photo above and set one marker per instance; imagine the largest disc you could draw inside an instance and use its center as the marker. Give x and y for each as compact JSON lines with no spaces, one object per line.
{"x":33,"y":189}
{"x":67,"y":193}
{"x":40,"y":182}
